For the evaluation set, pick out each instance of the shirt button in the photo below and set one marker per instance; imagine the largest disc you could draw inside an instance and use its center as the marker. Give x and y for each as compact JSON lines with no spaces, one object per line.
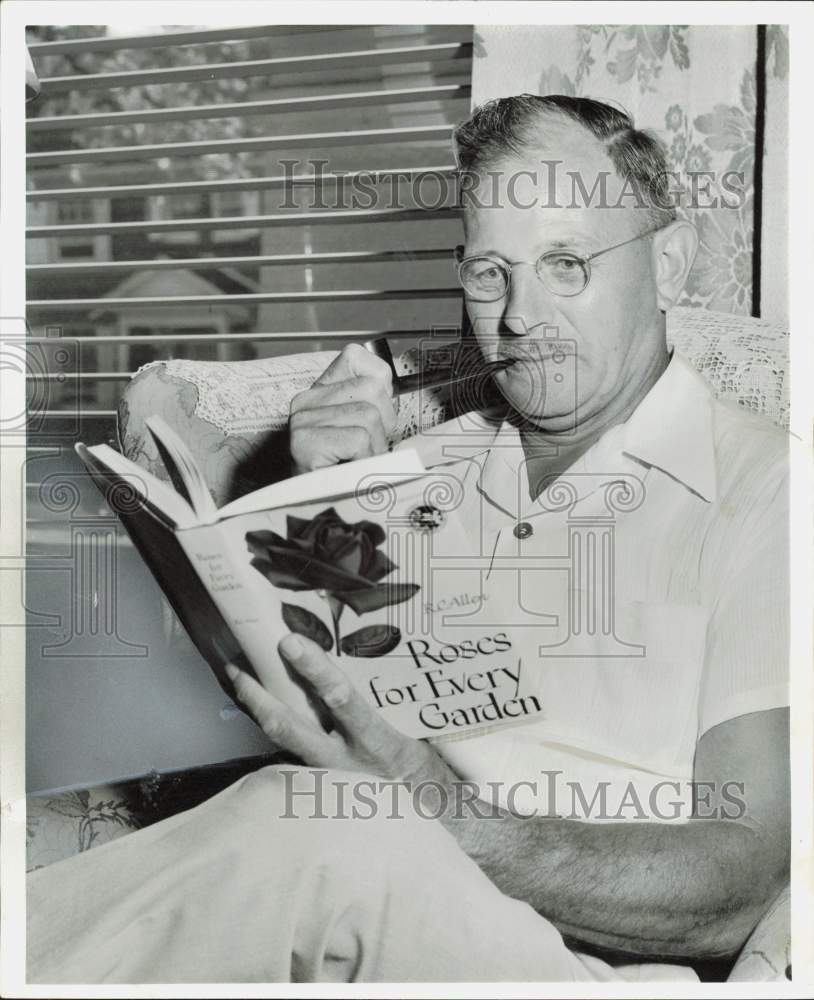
{"x":523,"y":530}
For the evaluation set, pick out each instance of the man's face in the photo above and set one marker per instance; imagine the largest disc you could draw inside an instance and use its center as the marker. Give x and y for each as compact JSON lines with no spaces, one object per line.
{"x":612,"y":331}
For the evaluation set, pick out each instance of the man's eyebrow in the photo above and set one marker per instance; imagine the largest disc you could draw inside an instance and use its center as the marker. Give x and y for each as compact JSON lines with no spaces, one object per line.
{"x":564,"y":242}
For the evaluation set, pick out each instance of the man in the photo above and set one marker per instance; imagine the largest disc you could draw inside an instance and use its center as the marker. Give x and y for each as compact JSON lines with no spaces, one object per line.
{"x":682,"y":682}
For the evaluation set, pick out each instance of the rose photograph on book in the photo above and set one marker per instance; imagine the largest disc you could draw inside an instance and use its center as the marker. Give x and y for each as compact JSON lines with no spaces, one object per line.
{"x":345,"y":565}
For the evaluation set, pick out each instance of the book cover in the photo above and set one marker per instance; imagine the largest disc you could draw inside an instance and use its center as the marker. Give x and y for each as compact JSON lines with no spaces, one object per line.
{"x":361,"y":576}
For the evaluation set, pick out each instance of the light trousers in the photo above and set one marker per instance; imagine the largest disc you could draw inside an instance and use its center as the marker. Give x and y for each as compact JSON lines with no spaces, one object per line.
{"x":241,"y":890}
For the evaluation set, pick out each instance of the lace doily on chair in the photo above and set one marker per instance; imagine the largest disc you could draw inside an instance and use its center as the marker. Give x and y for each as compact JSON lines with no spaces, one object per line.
{"x":745,"y":360}
{"x":244,"y":398}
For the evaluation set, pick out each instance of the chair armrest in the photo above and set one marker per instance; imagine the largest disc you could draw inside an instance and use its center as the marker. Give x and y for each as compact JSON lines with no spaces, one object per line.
{"x":155,"y":391}
{"x":62,"y":824}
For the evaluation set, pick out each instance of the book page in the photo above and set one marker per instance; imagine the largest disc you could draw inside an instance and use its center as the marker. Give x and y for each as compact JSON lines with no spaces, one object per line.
{"x":183,"y":469}
{"x":101,"y":459}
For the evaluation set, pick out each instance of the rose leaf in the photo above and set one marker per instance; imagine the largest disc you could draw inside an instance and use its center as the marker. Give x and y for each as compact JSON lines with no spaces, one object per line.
{"x":381,"y":596}
{"x":374,"y":640}
{"x":304,"y":622}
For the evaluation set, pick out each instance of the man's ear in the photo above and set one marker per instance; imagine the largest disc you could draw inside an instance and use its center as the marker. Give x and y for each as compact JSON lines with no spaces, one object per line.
{"x":674,"y":249}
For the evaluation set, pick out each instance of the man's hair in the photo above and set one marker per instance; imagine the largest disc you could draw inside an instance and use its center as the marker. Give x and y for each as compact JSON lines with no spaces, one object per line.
{"x":512,"y":126}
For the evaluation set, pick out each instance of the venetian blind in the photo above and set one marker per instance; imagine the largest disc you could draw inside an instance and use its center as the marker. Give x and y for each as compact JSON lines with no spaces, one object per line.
{"x":233,"y":193}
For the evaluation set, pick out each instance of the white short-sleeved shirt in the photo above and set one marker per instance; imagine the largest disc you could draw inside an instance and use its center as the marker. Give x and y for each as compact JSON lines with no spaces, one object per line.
{"x":654,"y":609}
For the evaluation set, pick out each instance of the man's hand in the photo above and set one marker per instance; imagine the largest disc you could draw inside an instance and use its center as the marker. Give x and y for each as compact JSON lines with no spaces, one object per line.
{"x":361,"y":739}
{"x":347,"y":413}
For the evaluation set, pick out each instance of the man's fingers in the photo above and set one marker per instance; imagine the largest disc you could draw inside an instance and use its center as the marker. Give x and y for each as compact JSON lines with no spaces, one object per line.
{"x":359,"y":390}
{"x":280,"y":723}
{"x":359,"y":414}
{"x":352,"y":361}
{"x":320,"y":447}
{"x":340,"y":422}
{"x":352,"y":713}
{"x":346,"y":414}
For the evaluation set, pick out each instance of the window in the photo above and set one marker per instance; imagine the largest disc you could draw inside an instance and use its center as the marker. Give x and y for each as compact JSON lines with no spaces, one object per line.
{"x":232,"y":204}
{"x":143,"y":354}
{"x":166,"y":208}
{"x":77,"y":213}
{"x":308,"y":254}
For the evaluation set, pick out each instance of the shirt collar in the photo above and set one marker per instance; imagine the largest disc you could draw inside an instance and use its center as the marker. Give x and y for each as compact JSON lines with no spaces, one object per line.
{"x":671,"y":430}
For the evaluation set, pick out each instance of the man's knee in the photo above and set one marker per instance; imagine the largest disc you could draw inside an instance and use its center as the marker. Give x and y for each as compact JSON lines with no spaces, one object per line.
{"x":342,"y":817}
{"x":290,"y":792}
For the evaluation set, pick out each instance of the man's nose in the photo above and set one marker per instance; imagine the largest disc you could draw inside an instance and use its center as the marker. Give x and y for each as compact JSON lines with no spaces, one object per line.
{"x":527,"y":304}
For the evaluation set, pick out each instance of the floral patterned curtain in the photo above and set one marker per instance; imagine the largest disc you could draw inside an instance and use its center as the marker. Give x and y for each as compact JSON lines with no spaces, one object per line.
{"x":717,"y":98}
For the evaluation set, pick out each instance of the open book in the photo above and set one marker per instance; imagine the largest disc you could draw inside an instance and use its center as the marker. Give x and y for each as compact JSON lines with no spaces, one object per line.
{"x":359,"y":558}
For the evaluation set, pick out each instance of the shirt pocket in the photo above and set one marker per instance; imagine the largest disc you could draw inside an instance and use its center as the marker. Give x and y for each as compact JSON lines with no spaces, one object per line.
{"x":631,"y":695}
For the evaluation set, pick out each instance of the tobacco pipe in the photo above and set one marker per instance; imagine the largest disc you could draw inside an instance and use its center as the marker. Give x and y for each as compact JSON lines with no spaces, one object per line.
{"x":432,"y":377}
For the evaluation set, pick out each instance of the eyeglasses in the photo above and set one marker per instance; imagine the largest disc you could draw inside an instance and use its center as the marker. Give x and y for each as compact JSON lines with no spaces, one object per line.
{"x":486,"y":278}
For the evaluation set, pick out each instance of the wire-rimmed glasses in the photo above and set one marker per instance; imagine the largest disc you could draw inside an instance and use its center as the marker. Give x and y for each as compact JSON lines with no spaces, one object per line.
{"x":486,"y":278}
